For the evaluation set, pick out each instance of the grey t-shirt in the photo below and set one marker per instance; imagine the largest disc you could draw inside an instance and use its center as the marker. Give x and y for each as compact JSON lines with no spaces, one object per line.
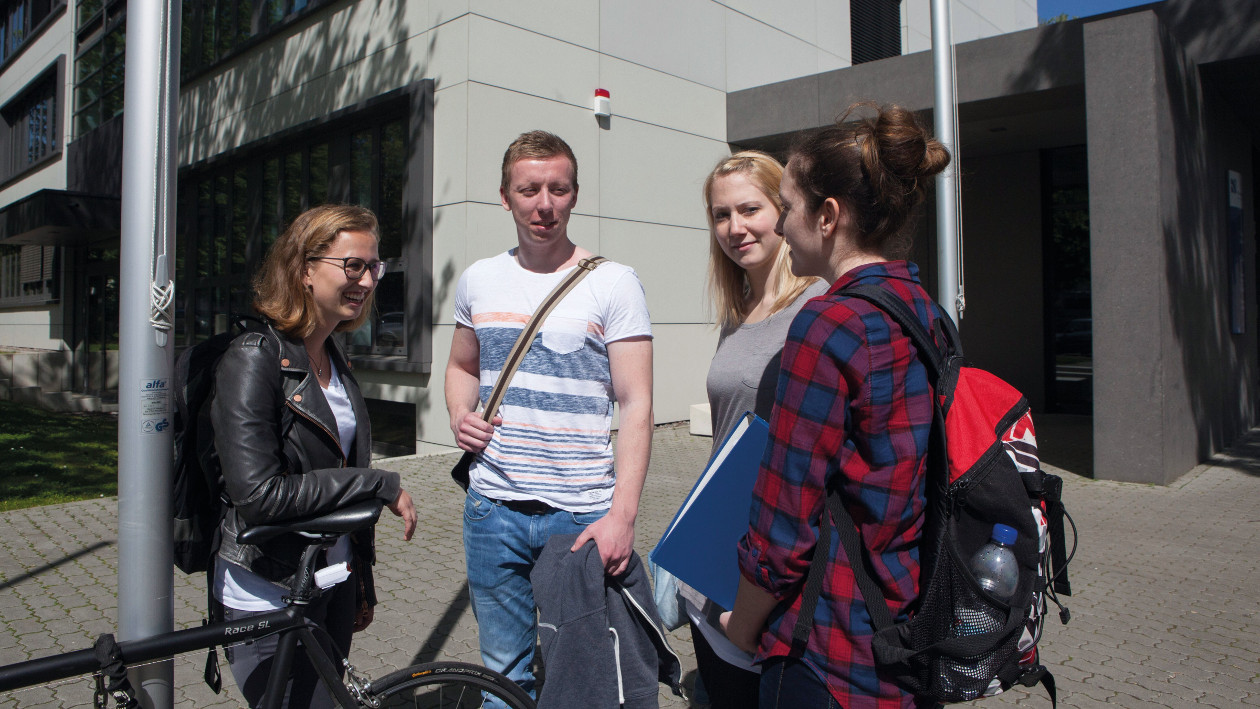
{"x":745,"y":367}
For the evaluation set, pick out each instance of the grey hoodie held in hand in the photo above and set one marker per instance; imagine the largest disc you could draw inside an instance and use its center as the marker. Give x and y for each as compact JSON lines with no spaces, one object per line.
{"x":602,"y":642}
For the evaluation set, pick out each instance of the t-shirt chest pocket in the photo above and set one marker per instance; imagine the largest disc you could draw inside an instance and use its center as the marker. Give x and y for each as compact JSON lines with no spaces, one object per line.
{"x":563,"y":335}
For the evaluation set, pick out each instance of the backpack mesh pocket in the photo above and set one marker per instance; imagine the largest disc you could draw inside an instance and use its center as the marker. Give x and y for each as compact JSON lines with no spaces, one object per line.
{"x":961,"y":668}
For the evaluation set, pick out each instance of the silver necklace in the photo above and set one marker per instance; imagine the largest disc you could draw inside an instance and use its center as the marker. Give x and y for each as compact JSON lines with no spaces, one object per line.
{"x":319,"y":371}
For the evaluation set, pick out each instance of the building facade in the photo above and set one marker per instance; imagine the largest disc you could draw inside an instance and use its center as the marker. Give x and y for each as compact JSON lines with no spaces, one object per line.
{"x":1109,"y":170}
{"x":405,"y":107}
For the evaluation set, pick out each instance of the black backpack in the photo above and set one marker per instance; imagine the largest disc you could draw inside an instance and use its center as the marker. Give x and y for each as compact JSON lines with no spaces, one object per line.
{"x":200,"y":501}
{"x":960,"y":643}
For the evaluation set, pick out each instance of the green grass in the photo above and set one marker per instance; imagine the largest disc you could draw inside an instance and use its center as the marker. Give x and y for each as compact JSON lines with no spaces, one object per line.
{"x":54,"y":457}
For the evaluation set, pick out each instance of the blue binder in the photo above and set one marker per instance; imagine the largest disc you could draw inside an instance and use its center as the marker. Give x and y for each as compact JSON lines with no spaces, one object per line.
{"x":698,"y":546}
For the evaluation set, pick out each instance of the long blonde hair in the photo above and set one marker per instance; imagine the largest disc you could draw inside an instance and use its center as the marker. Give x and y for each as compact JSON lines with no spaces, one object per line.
{"x":728,"y":282}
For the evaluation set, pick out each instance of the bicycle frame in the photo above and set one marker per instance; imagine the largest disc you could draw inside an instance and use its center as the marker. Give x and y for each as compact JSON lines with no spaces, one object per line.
{"x":289,"y":622}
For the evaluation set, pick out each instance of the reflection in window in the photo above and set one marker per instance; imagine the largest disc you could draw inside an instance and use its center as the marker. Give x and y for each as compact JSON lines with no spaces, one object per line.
{"x":214,"y":29}
{"x":20,"y":20}
{"x":270,"y":203}
{"x":386,"y":331}
{"x":318,"y":174}
{"x":242,"y":206}
{"x":29,"y":131}
{"x":393,"y":171}
{"x":99,"y":65}
{"x":1068,"y":300}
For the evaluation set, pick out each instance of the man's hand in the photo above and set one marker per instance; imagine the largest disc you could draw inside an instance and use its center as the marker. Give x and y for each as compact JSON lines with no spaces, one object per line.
{"x":614,"y":537}
{"x":473,"y":433}
{"x":403,"y":507}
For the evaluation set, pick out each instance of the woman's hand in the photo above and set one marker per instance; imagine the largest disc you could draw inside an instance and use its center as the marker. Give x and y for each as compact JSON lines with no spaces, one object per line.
{"x":403,"y":507}
{"x":744,"y":625}
{"x":363,"y":618}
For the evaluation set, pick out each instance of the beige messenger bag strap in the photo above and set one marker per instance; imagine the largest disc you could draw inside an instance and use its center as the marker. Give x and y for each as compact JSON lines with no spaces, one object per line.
{"x":521,"y":346}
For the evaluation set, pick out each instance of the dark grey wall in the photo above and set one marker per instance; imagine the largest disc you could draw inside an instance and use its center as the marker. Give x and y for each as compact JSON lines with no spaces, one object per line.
{"x":1165,"y":99}
{"x":1172,"y":384}
{"x":1124,"y":112}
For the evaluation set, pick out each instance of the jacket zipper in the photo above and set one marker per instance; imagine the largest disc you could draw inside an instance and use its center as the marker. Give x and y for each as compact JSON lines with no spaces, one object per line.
{"x":321,"y":427}
{"x":647,"y":620}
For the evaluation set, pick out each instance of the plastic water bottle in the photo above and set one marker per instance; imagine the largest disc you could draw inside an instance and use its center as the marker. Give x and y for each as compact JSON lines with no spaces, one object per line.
{"x":994,"y":566}
{"x":995,"y":569}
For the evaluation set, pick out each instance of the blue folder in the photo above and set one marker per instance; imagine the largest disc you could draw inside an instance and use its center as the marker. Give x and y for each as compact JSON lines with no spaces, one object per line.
{"x":699,"y":545}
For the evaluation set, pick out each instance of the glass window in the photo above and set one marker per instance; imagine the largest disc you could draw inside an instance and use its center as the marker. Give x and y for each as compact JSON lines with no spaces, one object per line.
{"x":240,"y":218}
{"x":1068,"y":299}
{"x":393,"y":171}
{"x":292,"y":187}
{"x":99,"y":67}
{"x":29,"y":133}
{"x":214,"y":29}
{"x":318,"y":175}
{"x":361,"y":167}
{"x":271,"y":215}
{"x":20,"y":20}
{"x":239,"y":206}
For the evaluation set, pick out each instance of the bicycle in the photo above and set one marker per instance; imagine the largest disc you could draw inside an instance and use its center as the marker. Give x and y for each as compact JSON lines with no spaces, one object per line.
{"x":435,"y":685}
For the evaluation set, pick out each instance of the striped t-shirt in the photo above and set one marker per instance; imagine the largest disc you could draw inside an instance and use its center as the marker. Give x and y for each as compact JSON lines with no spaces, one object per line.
{"x":554,"y":444}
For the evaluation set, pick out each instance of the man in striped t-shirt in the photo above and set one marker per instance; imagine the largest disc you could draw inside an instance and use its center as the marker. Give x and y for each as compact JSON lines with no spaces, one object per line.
{"x":546,"y":464}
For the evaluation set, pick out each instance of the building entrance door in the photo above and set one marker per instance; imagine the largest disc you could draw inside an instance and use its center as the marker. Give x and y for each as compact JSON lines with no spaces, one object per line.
{"x":1068,"y":302}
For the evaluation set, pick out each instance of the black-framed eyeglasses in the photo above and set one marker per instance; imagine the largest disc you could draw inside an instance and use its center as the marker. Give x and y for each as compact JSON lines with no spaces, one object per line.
{"x":355,"y":266}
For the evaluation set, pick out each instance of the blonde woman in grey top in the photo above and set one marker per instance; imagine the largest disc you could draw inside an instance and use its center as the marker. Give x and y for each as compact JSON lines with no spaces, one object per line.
{"x":756,"y":296}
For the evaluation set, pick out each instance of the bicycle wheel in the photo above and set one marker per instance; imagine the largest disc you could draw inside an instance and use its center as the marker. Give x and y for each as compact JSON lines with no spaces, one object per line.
{"x":447,"y":685}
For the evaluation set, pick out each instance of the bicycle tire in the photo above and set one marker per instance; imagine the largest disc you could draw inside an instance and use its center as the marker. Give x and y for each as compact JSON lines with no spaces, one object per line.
{"x":446,"y":685}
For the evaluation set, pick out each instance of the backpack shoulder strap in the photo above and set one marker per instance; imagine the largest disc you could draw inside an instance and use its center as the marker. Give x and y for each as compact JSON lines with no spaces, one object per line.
{"x":933,"y":354}
{"x":835,"y":512}
{"x":859,"y":562}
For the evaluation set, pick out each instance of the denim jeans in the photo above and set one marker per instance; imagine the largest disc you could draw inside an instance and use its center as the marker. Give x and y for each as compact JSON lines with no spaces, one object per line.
{"x":251,"y":662}
{"x":500,"y":548}
{"x":788,"y":683}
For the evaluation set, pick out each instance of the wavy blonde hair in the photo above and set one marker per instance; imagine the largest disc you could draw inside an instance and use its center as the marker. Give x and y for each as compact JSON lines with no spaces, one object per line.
{"x":728,"y":282}
{"x":279,"y":294}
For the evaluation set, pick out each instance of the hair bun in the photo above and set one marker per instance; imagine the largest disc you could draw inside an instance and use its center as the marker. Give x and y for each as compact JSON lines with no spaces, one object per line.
{"x":877,"y":164}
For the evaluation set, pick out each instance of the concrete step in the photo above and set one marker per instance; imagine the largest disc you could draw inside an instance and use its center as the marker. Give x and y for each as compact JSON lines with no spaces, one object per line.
{"x":59,"y":401}
{"x":29,"y":395}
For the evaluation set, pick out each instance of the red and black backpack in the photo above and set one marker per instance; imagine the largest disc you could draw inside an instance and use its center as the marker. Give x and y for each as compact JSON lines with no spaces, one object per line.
{"x":959,"y":642}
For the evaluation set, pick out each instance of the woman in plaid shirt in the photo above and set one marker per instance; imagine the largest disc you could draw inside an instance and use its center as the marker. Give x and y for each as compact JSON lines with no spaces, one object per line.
{"x":853,"y":410}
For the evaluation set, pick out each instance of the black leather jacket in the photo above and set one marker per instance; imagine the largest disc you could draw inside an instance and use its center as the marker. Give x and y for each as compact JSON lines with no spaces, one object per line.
{"x":277,"y":442}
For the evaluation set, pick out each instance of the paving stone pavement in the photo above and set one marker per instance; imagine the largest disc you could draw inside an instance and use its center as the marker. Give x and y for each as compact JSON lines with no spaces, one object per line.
{"x":1164,"y":612}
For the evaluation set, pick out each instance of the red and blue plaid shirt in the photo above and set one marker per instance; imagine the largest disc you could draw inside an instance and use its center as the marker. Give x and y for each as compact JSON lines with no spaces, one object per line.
{"x":853,"y":409}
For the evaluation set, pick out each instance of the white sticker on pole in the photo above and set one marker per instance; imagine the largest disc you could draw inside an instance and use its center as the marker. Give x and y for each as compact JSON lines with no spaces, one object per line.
{"x":155,"y":405}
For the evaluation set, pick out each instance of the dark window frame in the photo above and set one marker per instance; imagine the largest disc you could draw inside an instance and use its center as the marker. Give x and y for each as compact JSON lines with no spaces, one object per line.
{"x":17,"y":108}
{"x":414,"y":105}
{"x":32,"y":32}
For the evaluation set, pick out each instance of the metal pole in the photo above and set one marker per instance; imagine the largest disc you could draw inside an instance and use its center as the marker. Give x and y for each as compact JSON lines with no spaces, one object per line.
{"x":145,"y":573}
{"x":948,"y":234}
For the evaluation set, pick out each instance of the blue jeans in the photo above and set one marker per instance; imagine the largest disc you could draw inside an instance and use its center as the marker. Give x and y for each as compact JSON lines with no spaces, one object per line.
{"x":500,"y":548}
{"x":788,"y":683}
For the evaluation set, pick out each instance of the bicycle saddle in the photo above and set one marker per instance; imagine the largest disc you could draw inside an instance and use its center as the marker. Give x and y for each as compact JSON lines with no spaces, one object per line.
{"x":339,"y":521}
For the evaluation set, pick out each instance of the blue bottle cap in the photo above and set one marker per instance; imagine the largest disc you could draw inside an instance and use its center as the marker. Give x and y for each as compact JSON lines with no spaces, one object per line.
{"x":1003,"y":534}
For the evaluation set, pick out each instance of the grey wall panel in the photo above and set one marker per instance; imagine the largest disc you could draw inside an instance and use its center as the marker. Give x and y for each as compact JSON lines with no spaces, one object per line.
{"x":1126,"y":157}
